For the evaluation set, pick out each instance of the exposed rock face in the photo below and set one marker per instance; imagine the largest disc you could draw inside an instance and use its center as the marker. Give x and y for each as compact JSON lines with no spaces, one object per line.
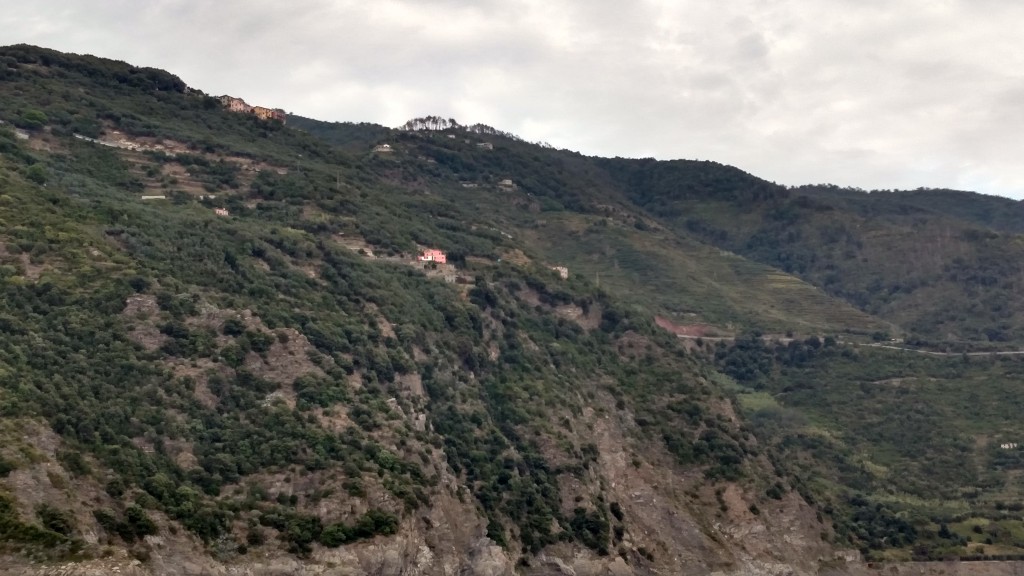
{"x":448,"y":539}
{"x":672,"y":522}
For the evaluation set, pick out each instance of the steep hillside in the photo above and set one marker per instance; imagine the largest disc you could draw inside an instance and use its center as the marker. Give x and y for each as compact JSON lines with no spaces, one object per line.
{"x":995,"y":212}
{"x":922,"y":449}
{"x":942,"y":272}
{"x":566,"y":209}
{"x":878,"y":437}
{"x":939,"y":267}
{"x":221,"y":351}
{"x":349,"y":136}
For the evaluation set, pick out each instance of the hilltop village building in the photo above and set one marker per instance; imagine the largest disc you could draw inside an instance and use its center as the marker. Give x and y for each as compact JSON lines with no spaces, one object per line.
{"x":240,"y":106}
{"x":268,"y":113}
{"x":235,"y":104}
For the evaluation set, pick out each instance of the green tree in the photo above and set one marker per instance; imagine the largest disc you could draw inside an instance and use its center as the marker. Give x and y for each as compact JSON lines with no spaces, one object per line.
{"x":36,"y":173}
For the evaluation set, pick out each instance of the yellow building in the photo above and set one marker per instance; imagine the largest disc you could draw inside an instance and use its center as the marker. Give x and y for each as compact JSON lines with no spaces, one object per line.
{"x":268,"y":113}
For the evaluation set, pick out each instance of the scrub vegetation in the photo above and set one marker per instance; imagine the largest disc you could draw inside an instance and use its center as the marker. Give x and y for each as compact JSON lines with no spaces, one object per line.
{"x":221,"y":325}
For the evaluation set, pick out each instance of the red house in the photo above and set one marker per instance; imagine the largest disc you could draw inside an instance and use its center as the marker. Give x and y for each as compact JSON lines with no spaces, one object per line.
{"x":431,"y":255}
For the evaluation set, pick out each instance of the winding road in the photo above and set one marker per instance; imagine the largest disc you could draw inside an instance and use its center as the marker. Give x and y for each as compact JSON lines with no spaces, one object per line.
{"x":869,"y":345}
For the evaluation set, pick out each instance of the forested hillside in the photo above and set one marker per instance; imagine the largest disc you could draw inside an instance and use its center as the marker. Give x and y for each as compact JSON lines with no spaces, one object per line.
{"x":939,"y":269}
{"x":879,"y":436}
{"x":220,"y":349}
{"x":930,"y":266}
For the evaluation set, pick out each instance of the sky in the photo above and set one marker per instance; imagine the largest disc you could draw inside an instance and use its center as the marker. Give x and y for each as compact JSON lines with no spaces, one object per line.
{"x":872,"y":94}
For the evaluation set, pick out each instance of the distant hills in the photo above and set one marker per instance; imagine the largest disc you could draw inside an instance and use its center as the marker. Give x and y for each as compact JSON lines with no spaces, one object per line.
{"x":931,"y":266}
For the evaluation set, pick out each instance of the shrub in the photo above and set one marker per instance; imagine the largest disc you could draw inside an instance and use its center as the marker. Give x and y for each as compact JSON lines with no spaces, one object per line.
{"x":56,"y":520}
{"x":32,"y":120}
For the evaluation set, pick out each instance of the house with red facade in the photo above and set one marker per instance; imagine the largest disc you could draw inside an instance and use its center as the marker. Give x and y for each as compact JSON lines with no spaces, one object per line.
{"x":431,"y":255}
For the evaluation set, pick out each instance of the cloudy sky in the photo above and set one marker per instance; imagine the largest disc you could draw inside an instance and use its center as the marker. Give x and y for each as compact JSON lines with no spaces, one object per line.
{"x":866,"y":93}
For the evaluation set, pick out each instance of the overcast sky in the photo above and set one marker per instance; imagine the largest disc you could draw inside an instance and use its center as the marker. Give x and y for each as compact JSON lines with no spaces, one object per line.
{"x":867,"y":93}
